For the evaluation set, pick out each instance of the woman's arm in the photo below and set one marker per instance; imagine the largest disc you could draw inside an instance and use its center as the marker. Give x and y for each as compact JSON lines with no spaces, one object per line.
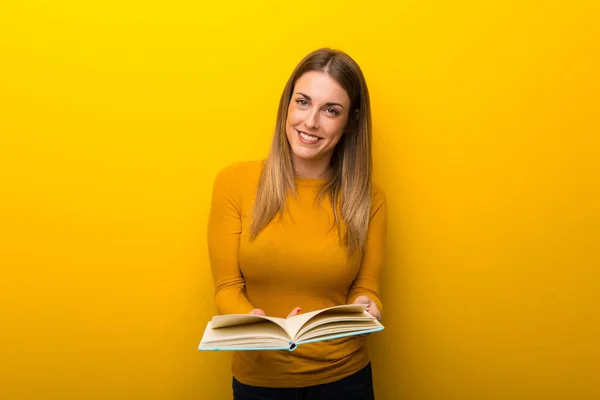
{"x":224,"y":229}
{"x":368,"y":278}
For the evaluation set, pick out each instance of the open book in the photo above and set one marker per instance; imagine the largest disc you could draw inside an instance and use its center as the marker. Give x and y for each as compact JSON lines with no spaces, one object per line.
{"x":254,"y":332}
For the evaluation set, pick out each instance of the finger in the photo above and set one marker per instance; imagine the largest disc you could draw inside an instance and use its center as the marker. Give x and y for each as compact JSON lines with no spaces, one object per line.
{"x":295,"y":311}
{"x":374,"y":311}
{"x":258,"y":311}
{"x":362,"y":300}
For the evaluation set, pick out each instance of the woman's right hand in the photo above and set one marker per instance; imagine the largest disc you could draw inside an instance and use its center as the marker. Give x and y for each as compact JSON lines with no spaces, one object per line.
{"x":258,"y":311}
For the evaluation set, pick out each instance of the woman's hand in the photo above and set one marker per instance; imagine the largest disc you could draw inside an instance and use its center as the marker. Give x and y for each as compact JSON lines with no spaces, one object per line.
{"x":371,"y":306}
{"x":258,"y":311}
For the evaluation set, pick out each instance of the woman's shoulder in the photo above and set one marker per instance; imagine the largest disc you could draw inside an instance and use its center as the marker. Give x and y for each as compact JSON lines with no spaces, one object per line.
{"x":378,"y":198}
{"x":243,"y":168}
{"x":240,"y":174}
{"x":377,"y":193}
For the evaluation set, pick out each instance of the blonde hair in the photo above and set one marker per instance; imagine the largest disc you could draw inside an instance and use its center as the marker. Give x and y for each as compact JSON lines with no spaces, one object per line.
{"x":348,"y":186}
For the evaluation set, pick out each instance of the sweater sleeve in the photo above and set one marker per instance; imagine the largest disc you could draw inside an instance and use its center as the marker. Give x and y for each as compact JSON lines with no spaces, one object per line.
{"x":224,"y":229}
{"x":367,"y":281}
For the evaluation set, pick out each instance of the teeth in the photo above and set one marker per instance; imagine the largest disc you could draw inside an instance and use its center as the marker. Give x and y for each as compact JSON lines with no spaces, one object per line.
{"x":308,"y":137}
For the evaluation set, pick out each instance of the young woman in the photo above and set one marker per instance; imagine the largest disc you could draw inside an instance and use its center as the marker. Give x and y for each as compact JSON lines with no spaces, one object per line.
{"x":303,"y":230}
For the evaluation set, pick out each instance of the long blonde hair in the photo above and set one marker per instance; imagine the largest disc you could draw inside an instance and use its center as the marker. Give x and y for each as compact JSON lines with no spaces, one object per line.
{"x":348,"y":186}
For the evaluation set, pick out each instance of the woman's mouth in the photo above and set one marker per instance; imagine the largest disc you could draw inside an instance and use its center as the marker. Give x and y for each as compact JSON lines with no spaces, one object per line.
{"x":306,"y":138}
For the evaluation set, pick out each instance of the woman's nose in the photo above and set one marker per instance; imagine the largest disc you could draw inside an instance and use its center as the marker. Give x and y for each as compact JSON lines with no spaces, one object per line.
{"x":312,"y":121}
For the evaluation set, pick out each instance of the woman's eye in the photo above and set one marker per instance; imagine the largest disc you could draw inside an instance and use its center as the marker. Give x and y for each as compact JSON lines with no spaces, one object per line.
{"x":302,"y":102}
{"x":332,"y":111}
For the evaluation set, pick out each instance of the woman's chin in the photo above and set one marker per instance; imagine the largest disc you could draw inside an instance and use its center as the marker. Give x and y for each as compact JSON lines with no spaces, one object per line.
{"x":306,"y":155}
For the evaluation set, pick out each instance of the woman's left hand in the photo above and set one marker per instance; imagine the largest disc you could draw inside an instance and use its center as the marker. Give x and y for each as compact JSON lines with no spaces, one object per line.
{"x":371,"y":306}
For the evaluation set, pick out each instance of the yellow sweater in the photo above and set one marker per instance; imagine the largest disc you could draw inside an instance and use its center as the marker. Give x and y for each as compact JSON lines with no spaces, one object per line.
{"x":296,"y":261}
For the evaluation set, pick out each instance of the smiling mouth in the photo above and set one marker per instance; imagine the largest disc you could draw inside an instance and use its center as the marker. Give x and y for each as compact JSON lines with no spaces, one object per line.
{"x":306,"y":138}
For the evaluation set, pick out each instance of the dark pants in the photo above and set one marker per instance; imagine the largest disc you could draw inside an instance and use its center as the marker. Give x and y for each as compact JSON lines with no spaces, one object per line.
{"x":358,"y":386}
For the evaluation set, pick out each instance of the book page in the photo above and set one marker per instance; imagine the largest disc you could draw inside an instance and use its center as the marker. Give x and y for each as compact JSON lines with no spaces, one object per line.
{"x":256,"y":344}
{"x":229,"y":320}
{"x":335,"y":328}
{"x":246,"y":333}
{"x":331,"y":318}
{"x":295,"y":323}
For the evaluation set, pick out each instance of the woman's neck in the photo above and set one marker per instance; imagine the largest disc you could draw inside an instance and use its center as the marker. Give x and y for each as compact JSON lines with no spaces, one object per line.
{"x":311,"y":169}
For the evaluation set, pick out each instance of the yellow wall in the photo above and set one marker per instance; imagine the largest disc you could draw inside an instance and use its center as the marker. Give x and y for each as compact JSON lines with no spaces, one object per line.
{"x":115,"y":117}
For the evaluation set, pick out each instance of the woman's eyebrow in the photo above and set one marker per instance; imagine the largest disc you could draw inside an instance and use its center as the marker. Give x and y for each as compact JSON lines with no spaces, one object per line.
{"x":328,"y":104}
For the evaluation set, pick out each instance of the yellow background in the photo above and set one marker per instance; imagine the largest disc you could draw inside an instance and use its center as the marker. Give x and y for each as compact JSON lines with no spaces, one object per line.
{"x":115,"y":117}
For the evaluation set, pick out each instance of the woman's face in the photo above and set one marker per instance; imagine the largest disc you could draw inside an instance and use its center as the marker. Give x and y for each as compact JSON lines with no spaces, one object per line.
{"x":317,"y":117}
